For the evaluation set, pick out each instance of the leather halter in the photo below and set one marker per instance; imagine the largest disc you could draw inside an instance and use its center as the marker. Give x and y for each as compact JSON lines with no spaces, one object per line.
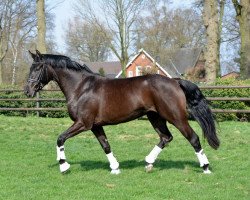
{"x":42,"y":75}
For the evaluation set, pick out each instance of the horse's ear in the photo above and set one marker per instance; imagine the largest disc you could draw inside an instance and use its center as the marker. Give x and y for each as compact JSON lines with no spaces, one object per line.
{"x":32,"y":55}
{"x":39,"y":55}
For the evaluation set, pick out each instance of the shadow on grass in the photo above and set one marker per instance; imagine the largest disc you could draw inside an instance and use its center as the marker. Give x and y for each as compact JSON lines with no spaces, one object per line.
{"x":87,"y":165}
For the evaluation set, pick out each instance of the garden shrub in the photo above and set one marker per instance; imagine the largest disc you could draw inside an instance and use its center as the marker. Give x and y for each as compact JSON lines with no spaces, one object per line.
{"x":237,"y":105}
{"x":62,"y":104}
{"x":53,"y":104}
{"x":32,"y":104}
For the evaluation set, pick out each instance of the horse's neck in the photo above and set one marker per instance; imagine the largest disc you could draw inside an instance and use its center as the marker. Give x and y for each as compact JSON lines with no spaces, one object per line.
{"x":68,"y":81}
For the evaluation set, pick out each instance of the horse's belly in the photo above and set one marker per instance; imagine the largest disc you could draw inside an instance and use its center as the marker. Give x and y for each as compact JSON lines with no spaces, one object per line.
{"x":123,"y":107}
{"x":120,"y":116}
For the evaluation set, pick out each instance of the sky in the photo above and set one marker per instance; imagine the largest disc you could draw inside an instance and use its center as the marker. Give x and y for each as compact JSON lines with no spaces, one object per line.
{"x":63,"y":12}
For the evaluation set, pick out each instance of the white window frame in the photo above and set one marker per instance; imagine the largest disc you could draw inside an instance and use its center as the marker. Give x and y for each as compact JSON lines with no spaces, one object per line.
{"x":148,"y":67}
{"x":138,"y":70}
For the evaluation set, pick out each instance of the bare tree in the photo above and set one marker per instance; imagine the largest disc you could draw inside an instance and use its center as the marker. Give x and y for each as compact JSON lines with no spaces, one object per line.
{"x":221,"y":15}
{"x":16,"y":24}
{"x":242,"y":8}
{"x":119,"y":17}
{"x":41,"y":25}
{"x":6,"y":13}
{"x":165,"y":30}
{"x":211,"y":22}
{"x":23,"y":28}
{"x":17,"y":34}
{"x":87,"y":42}
{"x":230,"y":26}
{"x":229,"y":40}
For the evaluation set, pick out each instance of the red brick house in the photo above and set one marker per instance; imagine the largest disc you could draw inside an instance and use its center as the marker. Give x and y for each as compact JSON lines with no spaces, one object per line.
{"x":143,"y":62}
{"x":182,"y":60}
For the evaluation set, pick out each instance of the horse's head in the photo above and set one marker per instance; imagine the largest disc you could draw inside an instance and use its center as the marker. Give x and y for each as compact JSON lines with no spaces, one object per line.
{"x":38,"y":75}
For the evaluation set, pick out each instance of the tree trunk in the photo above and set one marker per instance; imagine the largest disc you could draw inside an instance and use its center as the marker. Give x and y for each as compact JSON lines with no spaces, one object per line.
{"x":210,"y":17}
{"x":1,"y":73}
{"x":4,"y":47}
{"x":41,"y":26}
{"x":123,"y":66}
{"x":243,"y":17}
{"x":13,"y":81}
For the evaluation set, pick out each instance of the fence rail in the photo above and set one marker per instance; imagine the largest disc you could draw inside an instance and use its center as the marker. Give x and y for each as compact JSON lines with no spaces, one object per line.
{"x":62,"y":100}
{"x":38,"y":99}
{"x":29,"y":99}
{"x":227,"y":98}
{"x":33,"y":109}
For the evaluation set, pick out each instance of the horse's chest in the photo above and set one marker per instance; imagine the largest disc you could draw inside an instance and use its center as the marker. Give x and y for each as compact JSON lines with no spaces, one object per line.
{"x":72,"y":109}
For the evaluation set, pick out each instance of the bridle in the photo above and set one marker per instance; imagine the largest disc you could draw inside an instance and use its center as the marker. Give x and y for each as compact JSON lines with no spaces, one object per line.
{"x":42,"y":76}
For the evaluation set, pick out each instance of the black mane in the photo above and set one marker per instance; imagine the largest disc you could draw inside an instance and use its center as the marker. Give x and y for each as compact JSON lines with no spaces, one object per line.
{"x":59,"y":61}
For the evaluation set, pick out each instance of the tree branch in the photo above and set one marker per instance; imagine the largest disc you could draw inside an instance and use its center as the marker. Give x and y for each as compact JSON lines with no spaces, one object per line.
{"x":237,"y":7}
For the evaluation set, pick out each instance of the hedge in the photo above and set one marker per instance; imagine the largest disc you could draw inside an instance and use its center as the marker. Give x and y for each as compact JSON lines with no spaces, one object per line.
{"x":32,"y":104}
{"x":207,"y":92}
{"x":243,"y":92}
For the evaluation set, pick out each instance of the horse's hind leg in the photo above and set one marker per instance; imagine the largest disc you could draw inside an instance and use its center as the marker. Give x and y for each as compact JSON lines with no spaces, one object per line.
{"x":160,"y":127}
{"x":193,"y":139}
{"x":101,"y":137}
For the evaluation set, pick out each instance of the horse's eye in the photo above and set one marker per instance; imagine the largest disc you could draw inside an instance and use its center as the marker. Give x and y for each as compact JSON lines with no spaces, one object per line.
{"x":37,"y":69}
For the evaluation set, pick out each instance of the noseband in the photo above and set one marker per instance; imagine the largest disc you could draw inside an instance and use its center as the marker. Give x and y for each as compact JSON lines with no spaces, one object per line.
{"x":42,"y":74}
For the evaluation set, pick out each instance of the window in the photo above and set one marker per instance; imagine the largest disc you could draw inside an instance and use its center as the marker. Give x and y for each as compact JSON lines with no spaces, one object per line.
{"x":148,"y":68}
{"x":138,"y":71}
{"x":130,"y":73}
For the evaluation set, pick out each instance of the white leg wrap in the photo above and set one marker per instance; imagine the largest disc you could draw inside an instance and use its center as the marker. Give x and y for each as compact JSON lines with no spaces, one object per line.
{"x":153,"y":155}
{"x":202,"y":158}
{"x":114,"y":165}
{"x":60,"y":153}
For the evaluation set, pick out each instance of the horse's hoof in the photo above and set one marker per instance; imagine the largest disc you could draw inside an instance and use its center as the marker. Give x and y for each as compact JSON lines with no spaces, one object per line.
{"x":207,"y":171}
{"x":64,"y":167}
{"x":149,"y":168}
{"x":115,"y":171}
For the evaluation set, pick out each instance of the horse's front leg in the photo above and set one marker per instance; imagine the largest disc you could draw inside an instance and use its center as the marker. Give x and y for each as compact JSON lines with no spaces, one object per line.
{"x":101,"y":136}
{"x":76,"y":128}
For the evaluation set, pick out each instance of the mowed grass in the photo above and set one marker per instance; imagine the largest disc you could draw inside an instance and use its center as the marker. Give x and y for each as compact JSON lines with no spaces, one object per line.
{"x":29,"y":170}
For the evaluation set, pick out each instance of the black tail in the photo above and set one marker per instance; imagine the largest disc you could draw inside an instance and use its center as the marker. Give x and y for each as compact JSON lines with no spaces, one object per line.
{"x":199,"y":109}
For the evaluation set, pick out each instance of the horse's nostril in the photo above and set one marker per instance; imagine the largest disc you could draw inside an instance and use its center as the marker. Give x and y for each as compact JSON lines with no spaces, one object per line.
{"x":26,"y":91}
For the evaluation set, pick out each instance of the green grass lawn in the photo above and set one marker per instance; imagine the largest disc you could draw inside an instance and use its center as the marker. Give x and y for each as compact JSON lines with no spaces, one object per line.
{"x":29,"y":170}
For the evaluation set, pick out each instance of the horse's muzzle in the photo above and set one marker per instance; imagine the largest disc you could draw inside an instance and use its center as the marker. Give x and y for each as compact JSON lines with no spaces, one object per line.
{"x":29,"y":91}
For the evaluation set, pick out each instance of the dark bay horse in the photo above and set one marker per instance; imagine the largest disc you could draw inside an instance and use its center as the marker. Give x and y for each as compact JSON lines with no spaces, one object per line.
{"x":94,"y":101}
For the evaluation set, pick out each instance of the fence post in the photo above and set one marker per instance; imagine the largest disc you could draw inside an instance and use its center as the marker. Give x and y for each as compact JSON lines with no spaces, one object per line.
{"x":37,"y":104}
